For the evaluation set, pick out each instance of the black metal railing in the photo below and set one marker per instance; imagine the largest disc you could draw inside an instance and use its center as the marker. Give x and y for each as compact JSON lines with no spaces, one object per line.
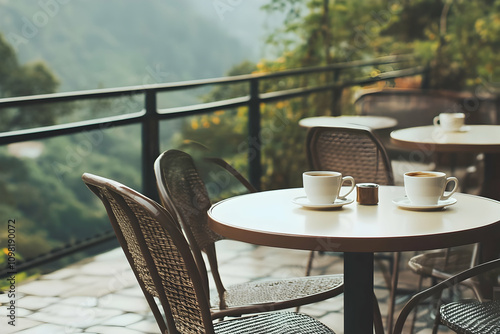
{"x":150,"y":116}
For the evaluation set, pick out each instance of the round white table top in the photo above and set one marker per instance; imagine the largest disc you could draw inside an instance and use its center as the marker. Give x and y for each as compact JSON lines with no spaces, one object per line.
{"x":373,"y":122}
{"x":271,"y":218}
{"x":473,"y":138}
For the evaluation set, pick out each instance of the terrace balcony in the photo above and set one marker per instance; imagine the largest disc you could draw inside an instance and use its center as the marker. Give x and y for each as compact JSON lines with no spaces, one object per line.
{"x":99,"y":294}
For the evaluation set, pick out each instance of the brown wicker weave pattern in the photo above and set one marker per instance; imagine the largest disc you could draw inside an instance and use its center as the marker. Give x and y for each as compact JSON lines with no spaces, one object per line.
{"x":132,"y":243}
{"x":350,"y":151}
{"x":188,"y":196}
{"x":175,"y":277}
{"x":472,"y":317}
{"x":170,"y":267}
{"x":273,"y":323}
{"x":278,"y":290}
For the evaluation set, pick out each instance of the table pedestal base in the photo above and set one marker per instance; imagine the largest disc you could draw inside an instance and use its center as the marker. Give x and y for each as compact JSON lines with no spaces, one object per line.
{"x":358,"y":293}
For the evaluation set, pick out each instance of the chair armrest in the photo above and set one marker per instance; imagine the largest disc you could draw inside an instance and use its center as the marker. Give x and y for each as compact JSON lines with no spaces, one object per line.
{"x":222,"y":163}
{"x":464,"y":275}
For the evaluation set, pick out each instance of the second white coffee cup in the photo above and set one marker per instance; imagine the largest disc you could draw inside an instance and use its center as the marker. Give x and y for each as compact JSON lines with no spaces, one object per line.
{"x":427,"y":187}
{"x":323,"y":187}
{"x":450,"y":122}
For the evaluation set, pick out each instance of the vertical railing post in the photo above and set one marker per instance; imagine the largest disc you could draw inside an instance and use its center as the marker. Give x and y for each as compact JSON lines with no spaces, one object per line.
{"x":336,"y":95}
{"x":254,"y":144}
{"x":150,"y":144}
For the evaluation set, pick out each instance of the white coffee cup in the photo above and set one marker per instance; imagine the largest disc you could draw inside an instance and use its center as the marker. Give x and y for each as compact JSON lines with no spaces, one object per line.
{"x":427,"y":187}
{"x":450,"y":122}
{"x":323,"y":187}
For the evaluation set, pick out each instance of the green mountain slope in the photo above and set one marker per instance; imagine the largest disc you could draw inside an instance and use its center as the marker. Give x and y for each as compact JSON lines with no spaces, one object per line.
{"x":112,"y":43}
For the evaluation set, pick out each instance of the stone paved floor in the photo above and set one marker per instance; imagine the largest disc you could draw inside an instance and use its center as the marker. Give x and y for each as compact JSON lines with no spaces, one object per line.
{"x":101,"y":294}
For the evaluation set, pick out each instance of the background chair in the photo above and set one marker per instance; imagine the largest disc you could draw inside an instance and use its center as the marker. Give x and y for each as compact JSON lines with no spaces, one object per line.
{"x":466,"y":316}
{"x":442,"y":264}
{"x":164,"y":265}
{"x":355,"y":151}
{"x":182,"y":189}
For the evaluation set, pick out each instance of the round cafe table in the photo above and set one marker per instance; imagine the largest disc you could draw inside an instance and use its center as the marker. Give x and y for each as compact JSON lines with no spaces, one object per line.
{"x":272,"y":218}
{"x":373,"y":122}
{"x":472,"y":138}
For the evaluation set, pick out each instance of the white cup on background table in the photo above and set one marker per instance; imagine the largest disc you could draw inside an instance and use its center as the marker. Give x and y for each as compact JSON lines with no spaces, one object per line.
{"x":450,"y":122}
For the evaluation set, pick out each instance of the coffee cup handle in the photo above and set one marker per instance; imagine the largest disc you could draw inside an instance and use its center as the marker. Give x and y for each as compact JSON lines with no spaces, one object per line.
{"x":448,"y":180}
{"x":436,"y":121}
{"x":353,"y":184}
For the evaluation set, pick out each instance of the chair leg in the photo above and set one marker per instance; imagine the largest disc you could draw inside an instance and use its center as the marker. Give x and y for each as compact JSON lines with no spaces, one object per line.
{"x":309,"y":263}
{"x":437,"y":321}
{"x":378,"y":326}
{"x":393,"y":291}
{"x":415,"y":313}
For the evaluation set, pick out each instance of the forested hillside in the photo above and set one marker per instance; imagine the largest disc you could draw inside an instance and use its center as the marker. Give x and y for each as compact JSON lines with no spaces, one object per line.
{"x":113,"y":43}
{"x":54,"y":46}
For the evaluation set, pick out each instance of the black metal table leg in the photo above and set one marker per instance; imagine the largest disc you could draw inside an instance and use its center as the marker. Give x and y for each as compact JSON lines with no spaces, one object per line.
{"x":358,"y":293}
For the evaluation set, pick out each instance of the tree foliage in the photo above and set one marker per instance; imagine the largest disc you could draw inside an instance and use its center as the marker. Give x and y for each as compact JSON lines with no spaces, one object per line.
{"x":459,"y":39}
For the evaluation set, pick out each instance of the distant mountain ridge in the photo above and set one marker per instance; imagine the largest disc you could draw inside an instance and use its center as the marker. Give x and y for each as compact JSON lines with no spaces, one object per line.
{"x":93,"y":44}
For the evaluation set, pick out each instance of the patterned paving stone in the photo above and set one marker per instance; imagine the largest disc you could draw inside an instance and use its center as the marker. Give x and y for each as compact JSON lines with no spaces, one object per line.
{"x":37,"y":302}
{"x":113,"y":330}
{"x":101,"y":295}
{"x":47,"y":288}
{"x":124,"y":320}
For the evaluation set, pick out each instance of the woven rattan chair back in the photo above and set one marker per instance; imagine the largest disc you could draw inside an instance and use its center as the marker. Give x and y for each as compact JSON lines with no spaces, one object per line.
{"x":352,"y":150}
{"x":159,"y":256}
{"x":181,"y":188}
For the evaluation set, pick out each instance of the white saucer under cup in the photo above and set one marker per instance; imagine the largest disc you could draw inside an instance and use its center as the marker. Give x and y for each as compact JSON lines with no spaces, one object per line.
{"x":305,"y":203}
{"x":405,"y":203}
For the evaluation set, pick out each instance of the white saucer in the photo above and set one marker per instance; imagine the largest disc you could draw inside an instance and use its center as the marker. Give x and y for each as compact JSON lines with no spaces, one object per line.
{"x":464,"y":128}
{"x":304,"y":202}
{"x":405,"y":203}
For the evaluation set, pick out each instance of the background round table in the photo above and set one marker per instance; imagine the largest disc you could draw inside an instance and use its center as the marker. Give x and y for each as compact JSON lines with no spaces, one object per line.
{"x":373,"y":122}
{"x":473,"y":138}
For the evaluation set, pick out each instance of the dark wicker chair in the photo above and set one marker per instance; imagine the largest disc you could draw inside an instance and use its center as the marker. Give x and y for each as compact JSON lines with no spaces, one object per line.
{"x":166,"y":270}
{"x":182,"y":189}
{"x":443,"y":264}
{"x":467,"y":316}
{"x":355,"y":151}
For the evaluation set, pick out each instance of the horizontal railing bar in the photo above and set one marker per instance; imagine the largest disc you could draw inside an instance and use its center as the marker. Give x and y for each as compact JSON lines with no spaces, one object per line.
{"x":69,"y":128}
{"x":295,"y":92}
{"x":204,"y":107}
{"x":134,"y":90}
{"x":168,"y":113}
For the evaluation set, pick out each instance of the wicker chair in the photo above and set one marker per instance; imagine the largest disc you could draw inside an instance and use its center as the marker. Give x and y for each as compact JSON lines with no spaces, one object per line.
{"x":355,"y":151}
{"x":467,"y":316}
{"x":443,"y":264}
{"x":182,"y":189}
{"x":164,"y":265}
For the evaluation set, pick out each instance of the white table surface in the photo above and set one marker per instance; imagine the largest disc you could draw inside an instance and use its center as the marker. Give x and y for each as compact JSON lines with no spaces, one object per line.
{"x":271,"y":218}
{"x":373,"y":122}
{"x":474,"y":138}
